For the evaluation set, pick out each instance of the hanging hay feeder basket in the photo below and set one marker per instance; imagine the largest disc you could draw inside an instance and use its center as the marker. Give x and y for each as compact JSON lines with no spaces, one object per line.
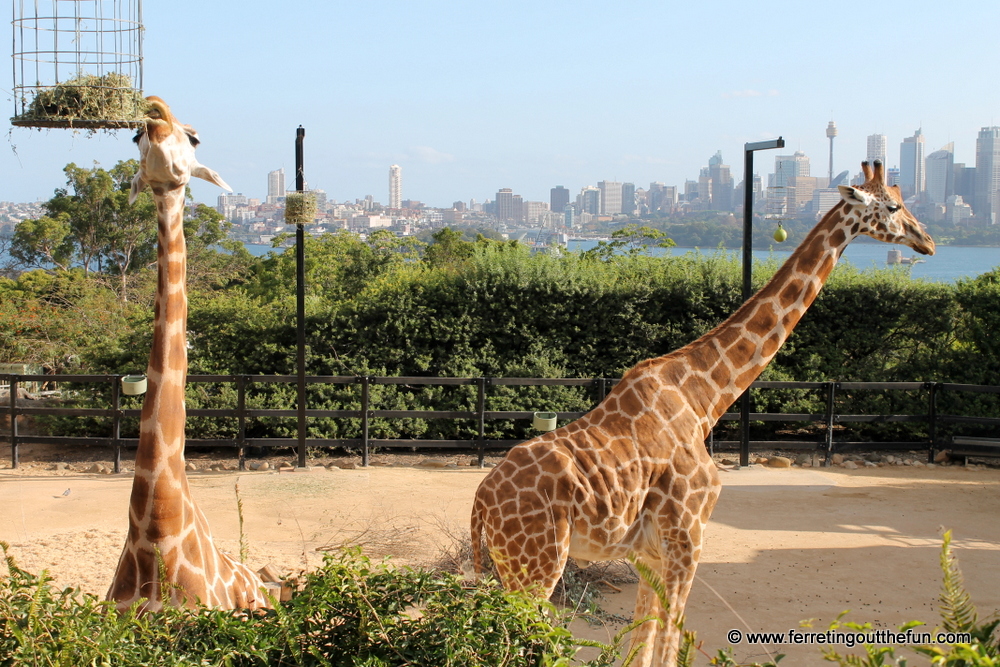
{"x":78,"y":64}
{"x":300,"y":208}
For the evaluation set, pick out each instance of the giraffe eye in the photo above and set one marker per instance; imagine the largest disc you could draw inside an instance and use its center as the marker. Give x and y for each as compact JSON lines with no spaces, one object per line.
{"x":893,"y":208}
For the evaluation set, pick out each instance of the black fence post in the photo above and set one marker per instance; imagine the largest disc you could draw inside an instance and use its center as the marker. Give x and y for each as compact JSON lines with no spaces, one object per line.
{"x":932,"y":417}
{"x":241,"y":419}
{"x":116,"y":420}
{"x":831,"y":394}
{"x":602,"y":389}
{"x":481,"y":415}
{"x":14,"y":458}
{"x":365,"y":404}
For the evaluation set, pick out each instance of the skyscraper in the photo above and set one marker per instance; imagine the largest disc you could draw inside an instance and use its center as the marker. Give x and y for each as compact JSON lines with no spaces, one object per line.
{"x":911,"y":165}
{"x":786,"y":166}
{"x":275,"y":185}
{"x":722,"y":183}
{"x":505,"y":205}
{"x":876,"y":147}
{"x":395,"y":186}
{"x":987,"y":196}
{"x":628,"y":198}
{"x":589,"y":200}
{"x":940,"y":174}
{"x":611,"y":197}
{"x":558,"y":198}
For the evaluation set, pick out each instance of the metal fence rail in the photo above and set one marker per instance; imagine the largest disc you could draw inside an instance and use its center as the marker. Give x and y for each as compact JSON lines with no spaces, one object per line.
{"x":366,"y":412}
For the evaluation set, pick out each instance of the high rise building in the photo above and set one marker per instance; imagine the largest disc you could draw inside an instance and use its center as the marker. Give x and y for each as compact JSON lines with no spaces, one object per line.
{"x":986,"y":204}
{"x":787,"y":166}
{"x":275,"y":185}
{"x":831,"y":132}
{"x":505,"y":205}
{"x":655,"y":196}
{"x":611,"y":197}
{"x":517,"y":206}
{"x":964,"y":181}
{"x":722,"y":183}
{"x":535,"y":212}
{"x":940,"y":175}
{"x":558,"y":198}
{"x":395,"y":186}
{"x":589,"y":200}
{"x":877,"y":144}
{"x":911,"y":165}
{"x":628,"y":198}
{"x":800,"y":192}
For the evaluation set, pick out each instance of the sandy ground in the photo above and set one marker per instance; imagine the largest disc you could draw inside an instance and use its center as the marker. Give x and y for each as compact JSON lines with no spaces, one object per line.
{"x":783,"y":546}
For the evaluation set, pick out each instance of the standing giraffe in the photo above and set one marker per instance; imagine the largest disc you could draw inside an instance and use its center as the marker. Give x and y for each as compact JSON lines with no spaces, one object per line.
{"x":166,"y":529}
{"x":632,"y":477}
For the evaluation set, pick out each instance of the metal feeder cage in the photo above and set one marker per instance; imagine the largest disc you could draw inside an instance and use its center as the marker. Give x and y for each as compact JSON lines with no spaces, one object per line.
{"x":78,"y":64}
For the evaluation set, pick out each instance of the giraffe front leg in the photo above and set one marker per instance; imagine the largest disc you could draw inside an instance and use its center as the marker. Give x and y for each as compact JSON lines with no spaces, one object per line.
{"x":661,"y":637}
{"x":670,"y":551}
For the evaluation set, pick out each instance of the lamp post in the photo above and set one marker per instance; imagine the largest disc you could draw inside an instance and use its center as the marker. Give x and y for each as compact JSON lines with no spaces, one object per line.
{"x":748,"y":151}
{"x":300,"y":299}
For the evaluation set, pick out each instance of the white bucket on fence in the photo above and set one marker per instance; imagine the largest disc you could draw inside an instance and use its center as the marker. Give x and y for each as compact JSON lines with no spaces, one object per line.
{"x":134,"y":385}
{"x":544,"y":421}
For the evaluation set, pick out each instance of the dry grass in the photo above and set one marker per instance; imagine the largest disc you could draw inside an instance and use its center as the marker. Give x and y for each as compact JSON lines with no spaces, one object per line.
{"x":86,"y":100}
{"x":300,"y":208}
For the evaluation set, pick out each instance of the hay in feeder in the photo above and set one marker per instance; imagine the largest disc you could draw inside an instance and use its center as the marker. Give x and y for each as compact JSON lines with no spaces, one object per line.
{"x":86,"y":101}
{"x":300,"y":208}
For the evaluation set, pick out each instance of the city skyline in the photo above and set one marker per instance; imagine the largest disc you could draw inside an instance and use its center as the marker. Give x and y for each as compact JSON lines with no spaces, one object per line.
{"x":466,"y":100}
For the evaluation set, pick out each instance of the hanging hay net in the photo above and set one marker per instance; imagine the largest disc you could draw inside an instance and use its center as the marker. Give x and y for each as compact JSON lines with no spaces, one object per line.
{"x":86,"y":102}
{"x":300,"y":208}
{"x":78,"y":64}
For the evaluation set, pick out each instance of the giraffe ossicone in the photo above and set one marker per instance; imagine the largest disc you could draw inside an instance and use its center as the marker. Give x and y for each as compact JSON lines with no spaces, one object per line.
{"x":632,"y":478}
{"x":169,"y":555}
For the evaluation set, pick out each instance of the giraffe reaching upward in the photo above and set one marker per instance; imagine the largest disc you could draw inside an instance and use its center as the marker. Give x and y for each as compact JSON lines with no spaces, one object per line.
{"x":165,"y":525}
{"x":633,"y":477}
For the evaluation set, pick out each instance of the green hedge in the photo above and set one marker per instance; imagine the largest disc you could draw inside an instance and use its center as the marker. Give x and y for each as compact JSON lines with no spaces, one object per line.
{"x":506,"y":313}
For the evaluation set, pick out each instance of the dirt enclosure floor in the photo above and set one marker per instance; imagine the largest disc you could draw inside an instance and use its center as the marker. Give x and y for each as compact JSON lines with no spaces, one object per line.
{"x":784,"y":545}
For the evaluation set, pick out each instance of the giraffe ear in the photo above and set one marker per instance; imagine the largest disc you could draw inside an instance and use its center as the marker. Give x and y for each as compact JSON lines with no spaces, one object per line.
{"x":204,"y":173}
{"x":137,"y":185}
{"x":854,"y":196}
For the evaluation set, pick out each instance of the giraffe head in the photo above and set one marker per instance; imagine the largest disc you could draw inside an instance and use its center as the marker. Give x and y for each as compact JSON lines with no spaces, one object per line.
{"x":166,"y":150}
{"x":879,"y":212}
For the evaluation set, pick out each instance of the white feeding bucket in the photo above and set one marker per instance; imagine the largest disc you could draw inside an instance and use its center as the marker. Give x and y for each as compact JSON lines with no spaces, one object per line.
{"x":544,"y":421}
{"x":134,"y":385}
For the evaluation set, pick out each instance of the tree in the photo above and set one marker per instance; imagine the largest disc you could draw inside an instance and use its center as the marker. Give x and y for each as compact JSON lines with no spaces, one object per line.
{"x":92,"y":223}
{"x":630,"y":240}
{"x":43,"y":241}
{"x":338,"y":265}
{"x":448,"y":248}
{"x":214,"y":260}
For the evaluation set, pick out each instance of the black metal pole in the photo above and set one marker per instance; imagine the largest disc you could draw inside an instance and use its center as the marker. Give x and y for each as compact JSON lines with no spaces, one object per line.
{"x":747,"y":275}
{"x":748,"y":150}
{"x":747,"y":222}
{"x":300,"y":299}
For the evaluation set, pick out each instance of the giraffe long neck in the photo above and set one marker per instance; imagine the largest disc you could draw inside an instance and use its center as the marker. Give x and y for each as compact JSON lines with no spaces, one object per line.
{"x":161,"y":433}
{"x":721,"y":365}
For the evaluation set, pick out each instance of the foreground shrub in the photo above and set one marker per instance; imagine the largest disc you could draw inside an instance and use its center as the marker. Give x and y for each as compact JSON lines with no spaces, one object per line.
{"x":351,"y":612}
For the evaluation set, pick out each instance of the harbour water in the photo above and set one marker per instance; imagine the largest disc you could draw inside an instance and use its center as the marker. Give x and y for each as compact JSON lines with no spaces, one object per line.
{"x":948,"y":264}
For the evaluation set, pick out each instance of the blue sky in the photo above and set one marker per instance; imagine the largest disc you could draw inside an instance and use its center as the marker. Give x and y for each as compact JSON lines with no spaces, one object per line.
{"x":469,"y":97}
